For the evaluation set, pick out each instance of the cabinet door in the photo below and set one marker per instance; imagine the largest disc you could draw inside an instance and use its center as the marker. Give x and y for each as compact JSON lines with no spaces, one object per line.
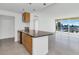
{"x":26,"y":17}
{"x":27,"y":42}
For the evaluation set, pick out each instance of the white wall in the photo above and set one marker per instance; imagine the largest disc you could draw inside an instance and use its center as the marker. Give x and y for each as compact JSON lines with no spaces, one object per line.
{"x":6,"y":27}
{"x":17,"y":19}
{"x":59,"y":10}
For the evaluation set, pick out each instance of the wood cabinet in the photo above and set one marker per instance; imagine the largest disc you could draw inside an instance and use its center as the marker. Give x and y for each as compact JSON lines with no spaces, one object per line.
{"x":35,"y":44}
{"x":26,"y":17}
{"x":27,"y":42}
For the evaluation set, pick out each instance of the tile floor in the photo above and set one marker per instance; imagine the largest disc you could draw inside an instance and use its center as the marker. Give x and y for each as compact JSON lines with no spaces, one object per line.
{"x":9,"y":47}
{"x":57,"y":47}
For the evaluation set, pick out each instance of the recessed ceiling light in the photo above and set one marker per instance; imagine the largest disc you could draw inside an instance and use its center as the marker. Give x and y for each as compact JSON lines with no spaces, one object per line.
{"x":44,"y":4}
{"x":23,"y":9}
{"x":30,"y":3}
{"x":34,"y":9}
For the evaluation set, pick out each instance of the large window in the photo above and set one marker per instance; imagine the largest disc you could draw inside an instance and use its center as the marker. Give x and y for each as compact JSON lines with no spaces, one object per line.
{"x":68,"y":25}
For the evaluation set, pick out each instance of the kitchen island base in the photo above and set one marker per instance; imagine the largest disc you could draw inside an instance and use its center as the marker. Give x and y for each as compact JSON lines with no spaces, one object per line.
{"x":40,"y":45}
{"x":35,"y":43}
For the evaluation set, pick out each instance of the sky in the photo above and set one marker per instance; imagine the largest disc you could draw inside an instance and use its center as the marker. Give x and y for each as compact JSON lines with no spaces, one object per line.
{"x":70,"y":22}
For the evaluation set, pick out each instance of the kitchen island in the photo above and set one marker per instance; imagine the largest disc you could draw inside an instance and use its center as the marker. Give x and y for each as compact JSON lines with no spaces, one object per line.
{"x":36,"y":43}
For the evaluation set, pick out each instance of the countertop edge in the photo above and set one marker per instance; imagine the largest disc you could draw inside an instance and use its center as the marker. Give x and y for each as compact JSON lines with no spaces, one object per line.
{"x":37,"y":36}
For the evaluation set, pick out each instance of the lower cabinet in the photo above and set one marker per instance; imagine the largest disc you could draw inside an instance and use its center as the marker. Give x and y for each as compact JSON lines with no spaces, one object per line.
{"x":27,"y":42}
{"x":35,"y":46}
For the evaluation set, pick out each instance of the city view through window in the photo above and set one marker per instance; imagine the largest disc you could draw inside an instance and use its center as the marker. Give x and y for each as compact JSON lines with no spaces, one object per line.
{"x":68,"y":26}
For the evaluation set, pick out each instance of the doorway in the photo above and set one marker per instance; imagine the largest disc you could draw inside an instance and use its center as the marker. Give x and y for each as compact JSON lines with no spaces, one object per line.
{"x":7,"y":27}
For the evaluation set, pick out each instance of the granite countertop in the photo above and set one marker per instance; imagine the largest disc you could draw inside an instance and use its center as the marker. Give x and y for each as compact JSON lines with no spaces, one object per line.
{"x":32,"y":33}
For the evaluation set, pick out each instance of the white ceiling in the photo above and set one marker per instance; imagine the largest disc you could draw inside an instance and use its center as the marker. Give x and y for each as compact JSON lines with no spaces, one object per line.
{"x":18,"y":7}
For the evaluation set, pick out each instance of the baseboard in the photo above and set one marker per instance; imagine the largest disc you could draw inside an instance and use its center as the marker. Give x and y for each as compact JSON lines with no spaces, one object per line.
{"x":6,"y":38}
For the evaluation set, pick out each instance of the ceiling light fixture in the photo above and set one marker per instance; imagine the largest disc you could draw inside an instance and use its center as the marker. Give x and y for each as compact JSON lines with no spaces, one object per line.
{"x":44,"y":4}
{"x":34,"y":9}
{"x":30,"y":3}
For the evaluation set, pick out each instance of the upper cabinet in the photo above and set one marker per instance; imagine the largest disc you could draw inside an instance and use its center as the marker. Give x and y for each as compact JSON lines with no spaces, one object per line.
{"x":26,"y":17}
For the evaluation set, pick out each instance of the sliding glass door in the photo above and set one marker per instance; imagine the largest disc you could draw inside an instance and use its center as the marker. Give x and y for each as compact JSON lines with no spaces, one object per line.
{"x":67,"y":32}
{"x":62,"y":31}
